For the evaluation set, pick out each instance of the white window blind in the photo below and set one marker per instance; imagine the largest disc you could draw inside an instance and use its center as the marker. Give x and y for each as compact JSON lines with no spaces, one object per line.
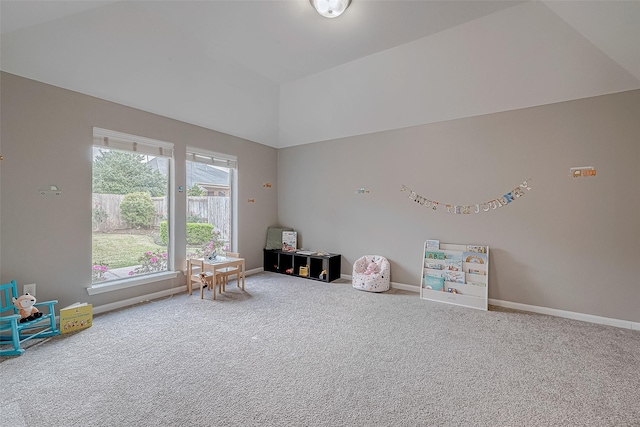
{"x":139,"y":144}
{"x":211,"y":158}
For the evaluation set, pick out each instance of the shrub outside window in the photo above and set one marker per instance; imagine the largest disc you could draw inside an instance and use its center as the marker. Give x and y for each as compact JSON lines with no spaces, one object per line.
{"x":130,"y":200}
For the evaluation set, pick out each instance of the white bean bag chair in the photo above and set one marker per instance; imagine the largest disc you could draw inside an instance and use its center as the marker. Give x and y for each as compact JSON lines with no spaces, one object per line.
{"x":372,"y":273}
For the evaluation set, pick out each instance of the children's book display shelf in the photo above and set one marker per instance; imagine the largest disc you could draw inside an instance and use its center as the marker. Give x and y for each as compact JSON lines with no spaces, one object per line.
{"x":455,"y":274}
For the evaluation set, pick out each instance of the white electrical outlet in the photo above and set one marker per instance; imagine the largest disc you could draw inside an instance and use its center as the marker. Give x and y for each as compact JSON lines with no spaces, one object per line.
{"x":29,"y":289}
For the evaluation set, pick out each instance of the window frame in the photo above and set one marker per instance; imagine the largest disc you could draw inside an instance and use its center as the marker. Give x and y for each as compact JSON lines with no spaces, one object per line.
{"x":141,"y":145}
{"x":200,"y":155}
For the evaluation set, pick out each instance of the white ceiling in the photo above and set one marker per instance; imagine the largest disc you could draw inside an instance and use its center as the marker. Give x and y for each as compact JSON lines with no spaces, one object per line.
{"x":277,"y":73}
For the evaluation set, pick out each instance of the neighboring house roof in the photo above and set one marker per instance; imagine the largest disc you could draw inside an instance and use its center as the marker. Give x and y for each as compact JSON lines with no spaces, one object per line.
{"x":199,"y":173}
{"x":206,"y":174}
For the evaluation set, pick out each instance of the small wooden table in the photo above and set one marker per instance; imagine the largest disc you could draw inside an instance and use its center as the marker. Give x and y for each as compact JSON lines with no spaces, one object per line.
{"x":218,"y":263}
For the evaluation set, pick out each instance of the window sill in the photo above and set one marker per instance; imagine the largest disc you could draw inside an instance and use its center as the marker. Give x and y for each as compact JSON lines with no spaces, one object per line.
{"x":100,"y":288}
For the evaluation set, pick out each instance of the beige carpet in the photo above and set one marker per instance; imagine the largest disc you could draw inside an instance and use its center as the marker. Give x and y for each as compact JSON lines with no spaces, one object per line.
{"x":295,"y":352}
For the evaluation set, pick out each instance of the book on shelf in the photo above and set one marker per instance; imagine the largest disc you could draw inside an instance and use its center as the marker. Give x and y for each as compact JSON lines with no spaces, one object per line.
{"x":76,"y":317}
{"x":453,"y":255}
{"x":289,"y":240}
{"x":433,"y":245}
{"x":476,"y":271}
{"x":434,"y":273}
{"x":474,"y":258}
{"x":453,"y":264}
{"x":478,"y":284}
{"x":433,"y":283}
{"x":454,"y":276}
{"x":477,"y":248}
{"x":434,"y":255}
{"x":433,"y":265}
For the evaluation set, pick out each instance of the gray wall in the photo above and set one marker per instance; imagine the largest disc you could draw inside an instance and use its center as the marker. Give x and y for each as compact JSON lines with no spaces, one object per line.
{"x":46,"y":140}
{"x":569,"y":244}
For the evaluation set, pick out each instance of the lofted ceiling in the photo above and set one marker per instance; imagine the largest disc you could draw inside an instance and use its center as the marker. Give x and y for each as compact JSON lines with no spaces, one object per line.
{"x":277,"y":73}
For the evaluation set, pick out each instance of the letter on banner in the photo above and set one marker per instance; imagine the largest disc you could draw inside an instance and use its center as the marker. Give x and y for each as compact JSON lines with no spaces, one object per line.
{"x":508,"y":198}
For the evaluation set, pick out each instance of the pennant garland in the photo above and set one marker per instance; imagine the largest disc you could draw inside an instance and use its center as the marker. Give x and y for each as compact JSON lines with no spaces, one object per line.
{"x":493,"y":204}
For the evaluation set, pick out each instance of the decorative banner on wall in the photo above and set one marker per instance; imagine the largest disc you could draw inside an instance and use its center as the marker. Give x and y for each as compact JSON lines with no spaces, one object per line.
{"x":493,"y":204}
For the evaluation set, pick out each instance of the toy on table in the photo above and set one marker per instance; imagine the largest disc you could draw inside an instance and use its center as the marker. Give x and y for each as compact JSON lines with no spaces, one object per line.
{"x":25,"y":305}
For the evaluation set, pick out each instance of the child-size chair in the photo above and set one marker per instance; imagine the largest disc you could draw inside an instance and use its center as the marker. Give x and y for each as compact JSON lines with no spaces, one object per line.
{"x":13,"y":332}
{"x":222,"y":275}
{"x":372,"y":273}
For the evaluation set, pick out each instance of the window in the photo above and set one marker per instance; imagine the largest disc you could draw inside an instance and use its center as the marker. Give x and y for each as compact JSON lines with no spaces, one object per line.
{"x":210,"y":178}
{"x":130,"y":207}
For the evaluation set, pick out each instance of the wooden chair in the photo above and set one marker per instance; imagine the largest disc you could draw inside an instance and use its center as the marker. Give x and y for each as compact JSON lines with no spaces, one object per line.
{"x":13,"y":332}
{"x":222,"y":275}
{"x":196,"y":272}
{"x":194,"y":268}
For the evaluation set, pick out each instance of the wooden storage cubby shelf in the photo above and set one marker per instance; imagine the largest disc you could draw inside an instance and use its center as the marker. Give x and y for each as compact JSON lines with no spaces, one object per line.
{"x":278,"y":261}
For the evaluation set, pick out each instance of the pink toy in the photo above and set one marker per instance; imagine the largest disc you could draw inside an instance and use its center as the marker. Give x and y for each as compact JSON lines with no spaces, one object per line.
{"x":371,"y":268}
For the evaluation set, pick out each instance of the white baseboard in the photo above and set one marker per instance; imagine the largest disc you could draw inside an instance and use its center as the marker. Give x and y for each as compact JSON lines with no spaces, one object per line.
{"x":394,"y":285}
{"x":145,"y":298}
{"x":254,"y":271}
{"x":619,"y":323}
{"x":627,"y":324}
{"x":410,"y":288}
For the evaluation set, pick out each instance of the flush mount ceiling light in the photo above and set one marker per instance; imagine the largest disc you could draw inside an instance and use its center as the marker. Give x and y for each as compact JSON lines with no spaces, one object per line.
{"x":330,"y":8}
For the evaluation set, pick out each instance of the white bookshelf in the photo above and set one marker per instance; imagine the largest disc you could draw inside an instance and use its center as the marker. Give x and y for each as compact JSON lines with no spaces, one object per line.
{"x":443,"y":261}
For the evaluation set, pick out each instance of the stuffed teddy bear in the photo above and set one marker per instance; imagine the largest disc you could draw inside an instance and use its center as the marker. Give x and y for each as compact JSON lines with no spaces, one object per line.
{"x":371,"y":268}
{"x":205,"y":280}
{"x":25,"y":305}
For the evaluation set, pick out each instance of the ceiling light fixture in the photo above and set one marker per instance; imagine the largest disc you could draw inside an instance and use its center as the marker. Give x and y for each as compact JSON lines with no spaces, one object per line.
{"x":330,"y":8}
